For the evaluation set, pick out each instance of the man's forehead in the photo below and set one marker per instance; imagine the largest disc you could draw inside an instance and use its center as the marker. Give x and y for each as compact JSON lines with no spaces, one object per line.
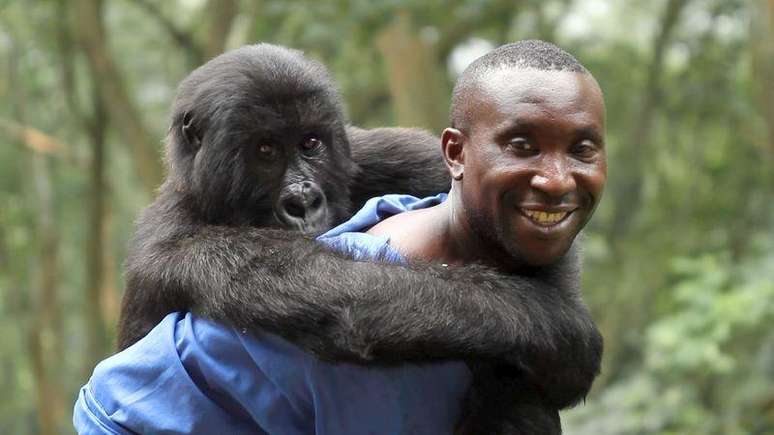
{"x":508,"y":89}
{"x":535,"y":83}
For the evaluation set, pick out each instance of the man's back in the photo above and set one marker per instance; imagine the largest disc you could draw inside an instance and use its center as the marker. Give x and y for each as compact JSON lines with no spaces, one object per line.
{"x":192,"y":375}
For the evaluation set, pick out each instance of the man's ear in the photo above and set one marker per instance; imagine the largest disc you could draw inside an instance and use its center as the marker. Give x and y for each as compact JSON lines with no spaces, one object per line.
{"x":190,"y":132}
{"x":452,"y":143}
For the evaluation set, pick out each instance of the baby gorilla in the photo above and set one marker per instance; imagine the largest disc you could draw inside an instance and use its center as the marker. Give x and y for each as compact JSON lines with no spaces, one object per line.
{"x":259,"y":145}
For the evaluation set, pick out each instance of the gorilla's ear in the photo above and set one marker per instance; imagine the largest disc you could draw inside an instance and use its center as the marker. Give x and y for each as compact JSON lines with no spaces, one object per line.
{"x":190,"y":132}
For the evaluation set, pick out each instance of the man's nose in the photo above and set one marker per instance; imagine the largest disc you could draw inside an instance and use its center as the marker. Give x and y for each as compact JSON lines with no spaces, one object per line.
{"x":553,"y":177}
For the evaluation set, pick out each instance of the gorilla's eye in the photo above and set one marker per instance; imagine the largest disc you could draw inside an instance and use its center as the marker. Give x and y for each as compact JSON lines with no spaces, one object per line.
{"x":266,"y":151}
{"x":311,"y":143}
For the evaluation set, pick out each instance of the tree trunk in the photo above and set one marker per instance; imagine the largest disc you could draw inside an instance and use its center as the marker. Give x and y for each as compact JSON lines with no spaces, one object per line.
{"x":497,"y":14}
{"x":627,"y":195}
{"x":46,"y":339}
{"x":415,"y":82}
{"x":125,"y":116}
{"x":96,"y":325}
{"x":763,"y":63}
{"x":222,"y":14}
{"x":110,"y":301}
{"x":627,"y":192}
{"x":45,"y":333}
{"x":48,"y":397}
{"x":184,"y":40}
{"x":94,"y":122}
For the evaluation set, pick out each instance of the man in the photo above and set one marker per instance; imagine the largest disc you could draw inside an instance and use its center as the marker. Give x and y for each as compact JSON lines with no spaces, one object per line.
{"x":527,"y":156}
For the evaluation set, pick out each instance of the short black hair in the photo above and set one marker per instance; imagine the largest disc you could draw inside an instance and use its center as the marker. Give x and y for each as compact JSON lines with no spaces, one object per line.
{"x":527,"y":54}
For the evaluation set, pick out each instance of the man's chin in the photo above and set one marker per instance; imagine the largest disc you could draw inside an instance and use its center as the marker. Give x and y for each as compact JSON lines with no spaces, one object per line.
{"x":542,"y":246}
{"x":534,"y":252}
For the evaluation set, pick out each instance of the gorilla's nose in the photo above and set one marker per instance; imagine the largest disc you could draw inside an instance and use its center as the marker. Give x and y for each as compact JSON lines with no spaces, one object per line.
{"x":302,"y":205}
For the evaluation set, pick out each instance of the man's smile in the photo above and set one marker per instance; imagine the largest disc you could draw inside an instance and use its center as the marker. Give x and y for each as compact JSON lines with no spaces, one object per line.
{"x":548,"y":222}
{"x":543,"y":218}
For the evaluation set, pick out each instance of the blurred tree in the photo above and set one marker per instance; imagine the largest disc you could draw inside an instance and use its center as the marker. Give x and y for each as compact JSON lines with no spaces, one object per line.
{"x":763,"y":61}
{"x":183,"y":39}
{"x":626,"y":186}
{"x":415,"y":82}
{"x":219,"y":27}
{"x":627,"y":190}
{"x":98,"y":290}
{"x":45,"y":329}
{"x":116,"y":98}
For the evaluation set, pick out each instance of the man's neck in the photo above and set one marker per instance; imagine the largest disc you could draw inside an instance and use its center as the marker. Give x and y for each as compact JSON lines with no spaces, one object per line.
{"x":467,"y":246}
{"x":440,"y":234}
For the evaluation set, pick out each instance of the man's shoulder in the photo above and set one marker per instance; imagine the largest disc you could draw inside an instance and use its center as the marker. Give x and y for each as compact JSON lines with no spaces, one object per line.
{"x":351,"y":238}
{"x":397,"y":224}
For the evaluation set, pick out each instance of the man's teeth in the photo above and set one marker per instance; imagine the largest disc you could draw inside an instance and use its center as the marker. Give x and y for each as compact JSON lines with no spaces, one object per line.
{"x":545,"y":218}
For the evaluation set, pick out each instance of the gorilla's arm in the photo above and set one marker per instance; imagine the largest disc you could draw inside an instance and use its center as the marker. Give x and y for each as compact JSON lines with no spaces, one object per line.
{"x":341,"y":309}
{"x":396,"y":160}
{"x":501,"y":402}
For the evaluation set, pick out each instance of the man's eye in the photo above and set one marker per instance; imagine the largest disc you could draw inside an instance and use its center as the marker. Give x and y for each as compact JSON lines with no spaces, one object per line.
{"x":521,"y":145}
{"x":585,"y":149}
{"x":311,"y":143}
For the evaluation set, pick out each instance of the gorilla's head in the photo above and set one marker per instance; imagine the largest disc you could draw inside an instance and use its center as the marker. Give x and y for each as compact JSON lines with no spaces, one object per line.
{"x":258,"y":138}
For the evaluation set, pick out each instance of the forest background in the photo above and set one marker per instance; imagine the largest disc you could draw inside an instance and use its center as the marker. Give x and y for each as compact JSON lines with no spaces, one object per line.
{"x":679,"y":259}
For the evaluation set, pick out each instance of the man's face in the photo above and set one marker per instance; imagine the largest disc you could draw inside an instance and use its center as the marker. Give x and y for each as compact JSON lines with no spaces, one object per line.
{"x":534,"y":161}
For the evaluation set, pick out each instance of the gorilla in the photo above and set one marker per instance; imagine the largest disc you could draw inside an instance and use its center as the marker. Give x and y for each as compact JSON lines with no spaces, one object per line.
{"x":260,"y":159}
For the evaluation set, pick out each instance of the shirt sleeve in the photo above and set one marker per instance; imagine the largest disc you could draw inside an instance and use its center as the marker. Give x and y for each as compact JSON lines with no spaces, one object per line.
{"x":193,"y":376}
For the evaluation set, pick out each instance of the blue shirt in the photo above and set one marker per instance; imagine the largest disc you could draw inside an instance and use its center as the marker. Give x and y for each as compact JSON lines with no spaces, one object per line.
{"x":192,"y":375}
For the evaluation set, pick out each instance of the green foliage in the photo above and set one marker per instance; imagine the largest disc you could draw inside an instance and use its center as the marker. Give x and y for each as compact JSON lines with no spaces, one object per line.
{"x":715,"y":303}
{"x":707,"y":365}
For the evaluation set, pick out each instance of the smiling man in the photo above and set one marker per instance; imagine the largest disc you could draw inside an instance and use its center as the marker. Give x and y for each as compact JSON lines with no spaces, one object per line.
{"x":526,"y":153}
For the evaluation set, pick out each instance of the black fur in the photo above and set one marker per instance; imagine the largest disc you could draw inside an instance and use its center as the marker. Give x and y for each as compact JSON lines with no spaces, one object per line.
{"x":207,"y":244}
{"x":396,"y":160}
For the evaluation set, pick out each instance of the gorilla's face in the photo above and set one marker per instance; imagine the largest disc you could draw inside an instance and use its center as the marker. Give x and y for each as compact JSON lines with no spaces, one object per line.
{"x":256,"y":150}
